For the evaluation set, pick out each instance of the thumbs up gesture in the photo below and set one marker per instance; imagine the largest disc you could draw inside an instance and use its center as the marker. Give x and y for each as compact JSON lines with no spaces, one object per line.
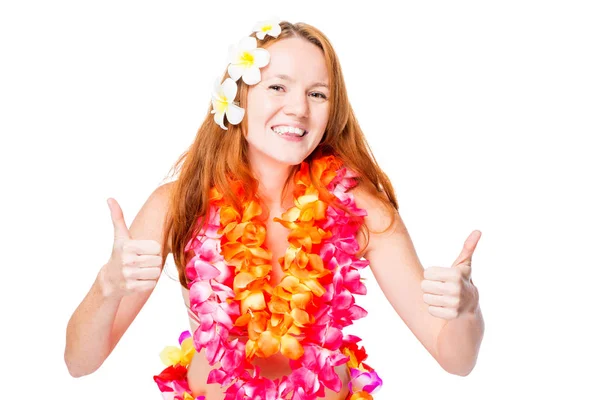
{"x":134,"y":265}
{"x":450,"y":292}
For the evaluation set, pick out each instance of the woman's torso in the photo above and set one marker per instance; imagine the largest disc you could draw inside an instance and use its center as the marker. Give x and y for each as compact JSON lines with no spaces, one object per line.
{"x":273,"y":367}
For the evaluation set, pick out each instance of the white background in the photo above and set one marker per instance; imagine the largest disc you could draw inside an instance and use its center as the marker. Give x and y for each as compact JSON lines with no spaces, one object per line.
{"x":484,"y":115}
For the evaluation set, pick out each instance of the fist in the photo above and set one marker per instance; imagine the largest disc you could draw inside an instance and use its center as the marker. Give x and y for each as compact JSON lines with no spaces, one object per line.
{"x":450,"y":292}
{"x":134,"y":265}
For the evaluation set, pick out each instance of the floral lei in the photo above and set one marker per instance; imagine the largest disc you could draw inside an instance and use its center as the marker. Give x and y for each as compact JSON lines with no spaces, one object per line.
{"x":302,"y":317}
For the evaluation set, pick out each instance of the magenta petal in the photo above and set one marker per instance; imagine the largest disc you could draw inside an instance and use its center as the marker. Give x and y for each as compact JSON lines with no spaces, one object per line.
{"x":208,"y":307}
{"x":357,"y":312}
{"x":209,"y":251}
{"x":367,"y":381}
{"x":214,"y":351}
{"x":348,"y":245}
{"x":206,"y":323}
{"x":205,"y":270}
{"x":354,"y":372}
{"x":222,"y":317}
{"x":184,"y":335}
{"x":222,"y":291}
{"x":331,"y":379}
{"x":327,"y":251}
{"x":333,"y":340}
{"x":353,"y":283}
{"x":215,"y":376}
{"x":200,"y":291}
{"x":360,"y":264}
{"x":203,"y":336}
{"x":232,"y":360}
{"x":343,"y":300}
{"x":338,"y":358}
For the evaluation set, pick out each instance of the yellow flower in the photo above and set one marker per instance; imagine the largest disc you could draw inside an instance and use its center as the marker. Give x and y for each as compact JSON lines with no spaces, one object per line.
{"x":269,"y":27}
{"x":222,"y":102}
{"x":173,"y":355}
{"x":246,"y":60}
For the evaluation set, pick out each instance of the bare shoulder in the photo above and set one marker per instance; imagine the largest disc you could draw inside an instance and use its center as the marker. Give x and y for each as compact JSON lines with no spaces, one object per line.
{"x":149,"y":222}
{"x":382,"y":219}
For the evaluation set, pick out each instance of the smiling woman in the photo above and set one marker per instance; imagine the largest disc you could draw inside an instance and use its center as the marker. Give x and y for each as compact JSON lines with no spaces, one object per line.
{"x":292,"y":98}
{"x":278,"y":206}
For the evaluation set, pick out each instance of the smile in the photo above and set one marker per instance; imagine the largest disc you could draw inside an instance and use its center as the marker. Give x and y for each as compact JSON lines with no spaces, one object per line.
{"x":291,"y":137}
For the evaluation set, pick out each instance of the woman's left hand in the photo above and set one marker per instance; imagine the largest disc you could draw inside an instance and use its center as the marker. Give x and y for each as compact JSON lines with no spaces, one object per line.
{"x":450,"y":292}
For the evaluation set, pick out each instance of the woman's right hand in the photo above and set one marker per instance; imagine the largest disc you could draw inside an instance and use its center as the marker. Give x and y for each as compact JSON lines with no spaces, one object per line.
{"x":134,"y":265}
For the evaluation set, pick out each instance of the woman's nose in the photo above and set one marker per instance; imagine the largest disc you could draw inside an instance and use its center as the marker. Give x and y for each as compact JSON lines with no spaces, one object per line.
{"x":297,"y":104}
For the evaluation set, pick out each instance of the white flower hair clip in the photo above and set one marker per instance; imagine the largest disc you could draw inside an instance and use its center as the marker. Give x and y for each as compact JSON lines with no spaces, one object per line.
{"x":245,"y":61}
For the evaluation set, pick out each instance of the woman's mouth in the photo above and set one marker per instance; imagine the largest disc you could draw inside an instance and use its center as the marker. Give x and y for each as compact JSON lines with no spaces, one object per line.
{"x":290,"y":134}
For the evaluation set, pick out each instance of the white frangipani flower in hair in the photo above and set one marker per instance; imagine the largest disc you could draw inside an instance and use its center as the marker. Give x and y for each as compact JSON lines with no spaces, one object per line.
{"x":246,"y":61}
{"x":222,"y":102}
{"x":269,"y":27}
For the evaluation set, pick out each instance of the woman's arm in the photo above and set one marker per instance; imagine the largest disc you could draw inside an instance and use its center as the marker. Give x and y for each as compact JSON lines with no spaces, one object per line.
{"x":103,"y":316}
{"x":399,"y":273}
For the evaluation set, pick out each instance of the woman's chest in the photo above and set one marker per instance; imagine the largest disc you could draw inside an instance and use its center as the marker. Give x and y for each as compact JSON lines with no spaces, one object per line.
{"x":277,"y":243}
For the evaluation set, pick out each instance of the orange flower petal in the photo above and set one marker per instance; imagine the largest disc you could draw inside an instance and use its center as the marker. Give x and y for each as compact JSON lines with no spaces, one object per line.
{"x":242,"y":280}
{"x":315,"y":262}
{"x":297,"y":332}
{"x":268,"y":343}
{"x":237,"y":232}
{"x":214,"y":194}
{"x":261,"y":270}
{"x":280,"y":292}
{"x":279,"y":306}
{"x":315,"y":287}
{"x":251,"y":348}
{"x":302,"y":258}
{"x":291,"y":215}
{"x":276,"y":319}
{"x":289,"y":283}
{"x":260,"y":253}
{"x":242,"y":295}
{"x":291,"y":347}
{"x":300,"y":300}
{"x":255,"y":301}
{"x":258,"y":323}
{"x":301,"y":317}
{"x":242,"y":320}
{"x":361,"y":396}
{"x":252,"y":210}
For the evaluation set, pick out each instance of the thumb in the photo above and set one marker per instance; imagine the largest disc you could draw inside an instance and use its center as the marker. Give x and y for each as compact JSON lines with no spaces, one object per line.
{"x":116,"y":214}
{"x":466,"y":255}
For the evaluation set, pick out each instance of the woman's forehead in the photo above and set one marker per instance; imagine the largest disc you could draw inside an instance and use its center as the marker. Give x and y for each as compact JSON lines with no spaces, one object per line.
{"x":296,"y":59}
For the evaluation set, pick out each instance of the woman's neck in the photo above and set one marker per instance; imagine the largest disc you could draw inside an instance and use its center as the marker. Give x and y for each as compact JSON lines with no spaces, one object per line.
{"x":271,"y":178}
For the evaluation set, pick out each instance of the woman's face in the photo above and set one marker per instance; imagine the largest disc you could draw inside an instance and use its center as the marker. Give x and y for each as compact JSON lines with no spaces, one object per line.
{"x":293,"y":92}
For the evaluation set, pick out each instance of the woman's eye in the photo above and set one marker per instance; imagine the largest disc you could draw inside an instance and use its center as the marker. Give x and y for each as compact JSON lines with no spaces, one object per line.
{"x":321,"y":95}
{"x":318,"y":95}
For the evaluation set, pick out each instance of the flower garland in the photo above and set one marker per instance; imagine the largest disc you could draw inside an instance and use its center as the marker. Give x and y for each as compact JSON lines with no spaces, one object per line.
{"x":301,"y":317}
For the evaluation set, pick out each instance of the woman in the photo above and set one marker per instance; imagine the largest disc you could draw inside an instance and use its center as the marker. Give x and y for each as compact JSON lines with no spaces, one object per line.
{"x":263,"y":224}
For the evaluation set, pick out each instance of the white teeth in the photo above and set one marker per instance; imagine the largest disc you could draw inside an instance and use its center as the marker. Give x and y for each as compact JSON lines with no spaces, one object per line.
{"x":288,"y":129}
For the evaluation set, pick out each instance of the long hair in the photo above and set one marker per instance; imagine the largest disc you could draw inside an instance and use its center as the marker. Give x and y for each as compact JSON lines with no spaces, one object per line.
{"x":216,"y":156}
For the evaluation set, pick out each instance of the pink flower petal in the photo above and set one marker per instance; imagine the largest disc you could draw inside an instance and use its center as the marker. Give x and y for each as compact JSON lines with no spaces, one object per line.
{"x":184,"y":335}
{"x":200,"y":291}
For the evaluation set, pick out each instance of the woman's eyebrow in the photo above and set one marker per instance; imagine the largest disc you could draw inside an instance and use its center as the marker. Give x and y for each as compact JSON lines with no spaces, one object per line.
{"x":288,"y":78}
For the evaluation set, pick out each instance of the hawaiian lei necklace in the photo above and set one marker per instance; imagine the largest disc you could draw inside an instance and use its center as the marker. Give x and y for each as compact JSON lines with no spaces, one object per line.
{"x":302,"y":317}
